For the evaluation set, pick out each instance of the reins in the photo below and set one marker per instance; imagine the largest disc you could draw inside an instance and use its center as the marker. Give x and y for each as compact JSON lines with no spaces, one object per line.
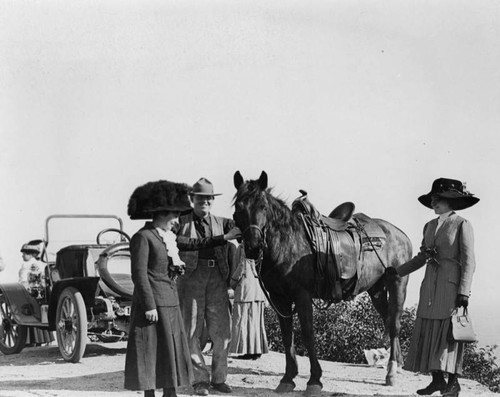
{"x":361,"y":228}
{"x":258,"y":263}
{"x":266,"y":292}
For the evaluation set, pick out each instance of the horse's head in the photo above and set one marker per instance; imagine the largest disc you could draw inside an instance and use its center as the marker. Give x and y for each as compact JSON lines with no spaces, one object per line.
{"x":250,"y":215}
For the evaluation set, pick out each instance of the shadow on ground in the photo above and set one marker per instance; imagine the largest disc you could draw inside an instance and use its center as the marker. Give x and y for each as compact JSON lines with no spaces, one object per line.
{"x":51,"y":355}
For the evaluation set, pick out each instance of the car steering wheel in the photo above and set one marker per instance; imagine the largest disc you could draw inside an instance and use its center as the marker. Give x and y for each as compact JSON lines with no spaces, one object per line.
{"x":120,"y":232}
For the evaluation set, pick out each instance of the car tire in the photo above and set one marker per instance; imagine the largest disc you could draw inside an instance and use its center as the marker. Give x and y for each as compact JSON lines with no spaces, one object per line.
{"x":71,"y":325}
{"x":12,"y":335}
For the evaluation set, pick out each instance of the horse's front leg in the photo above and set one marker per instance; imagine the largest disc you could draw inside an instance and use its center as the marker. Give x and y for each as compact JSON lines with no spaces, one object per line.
{"x":286,"y":324}
{"x":305,"y":313}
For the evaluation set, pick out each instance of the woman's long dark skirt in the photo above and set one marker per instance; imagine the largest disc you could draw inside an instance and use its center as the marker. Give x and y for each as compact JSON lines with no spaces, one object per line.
{"x":157,"y":354}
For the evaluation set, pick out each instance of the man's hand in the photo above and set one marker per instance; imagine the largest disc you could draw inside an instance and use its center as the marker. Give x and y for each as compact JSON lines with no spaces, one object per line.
{"x":462,"y":300}
{"x":152,"y":316}
{"x":391,"y":272}
{"x":234,"y":233}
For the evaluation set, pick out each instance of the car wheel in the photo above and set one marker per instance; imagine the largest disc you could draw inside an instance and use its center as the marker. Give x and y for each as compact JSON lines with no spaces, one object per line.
{"x":71,"y":325}
{"x":12,"y":335}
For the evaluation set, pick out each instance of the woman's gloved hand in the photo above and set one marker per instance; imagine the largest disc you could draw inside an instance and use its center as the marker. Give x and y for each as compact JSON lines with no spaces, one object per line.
{"x":462,"y":300}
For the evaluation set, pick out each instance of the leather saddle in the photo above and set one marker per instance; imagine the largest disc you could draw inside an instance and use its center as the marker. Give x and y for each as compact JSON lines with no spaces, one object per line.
{"x":338,"y":242}
{"x":337,"y":220}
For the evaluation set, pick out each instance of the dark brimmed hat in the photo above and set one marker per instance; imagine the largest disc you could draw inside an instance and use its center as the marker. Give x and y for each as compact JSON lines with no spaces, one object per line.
{"x":158,"y":196}
{"x":33,"y":247}
{"x":453,"y":191}
{"x":204,"y":187}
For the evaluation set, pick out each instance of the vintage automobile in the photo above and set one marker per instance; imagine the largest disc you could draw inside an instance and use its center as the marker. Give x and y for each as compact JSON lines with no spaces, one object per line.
{"x":84,"y":293}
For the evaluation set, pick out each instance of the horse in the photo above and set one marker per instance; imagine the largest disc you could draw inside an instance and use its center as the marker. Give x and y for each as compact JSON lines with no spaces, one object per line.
{"x":275,"y":237}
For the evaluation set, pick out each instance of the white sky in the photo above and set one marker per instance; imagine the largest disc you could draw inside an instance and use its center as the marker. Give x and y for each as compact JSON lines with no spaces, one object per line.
{"x":352,"y":101}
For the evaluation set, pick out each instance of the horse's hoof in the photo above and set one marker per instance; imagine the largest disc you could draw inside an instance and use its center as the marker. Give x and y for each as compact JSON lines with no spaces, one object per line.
{"x":313,"y":390}
{"x":285,"y":387}
{"x":390,"y":380}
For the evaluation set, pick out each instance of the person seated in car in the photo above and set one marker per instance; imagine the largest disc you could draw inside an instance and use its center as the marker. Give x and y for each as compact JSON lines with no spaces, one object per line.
{"x":31,"y":277}
{"x":31,"y":266}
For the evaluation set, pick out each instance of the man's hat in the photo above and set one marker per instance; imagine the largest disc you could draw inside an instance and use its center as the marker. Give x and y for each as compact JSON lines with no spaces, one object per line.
{"x":453,"y":191}
{"x":32,"y":247}
{"x":158,"y":196}
{"x":204,"y":187}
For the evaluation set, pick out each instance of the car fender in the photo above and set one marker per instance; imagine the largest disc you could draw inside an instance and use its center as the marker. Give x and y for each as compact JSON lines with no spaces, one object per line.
{"x":87,"y":287}
{"x":102,"y":268}
{"x":25,"y":309}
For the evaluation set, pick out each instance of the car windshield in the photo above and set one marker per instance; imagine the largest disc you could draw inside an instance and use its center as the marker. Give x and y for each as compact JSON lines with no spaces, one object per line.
{"x":65,"y":231}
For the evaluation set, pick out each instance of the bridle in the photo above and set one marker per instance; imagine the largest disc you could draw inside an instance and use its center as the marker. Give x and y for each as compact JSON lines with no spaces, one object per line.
{"x":258,"y":265}
{"x":262,"y":234}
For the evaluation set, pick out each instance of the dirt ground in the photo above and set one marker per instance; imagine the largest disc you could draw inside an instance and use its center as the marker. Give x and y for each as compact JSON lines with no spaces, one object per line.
{"x":40,"y":371}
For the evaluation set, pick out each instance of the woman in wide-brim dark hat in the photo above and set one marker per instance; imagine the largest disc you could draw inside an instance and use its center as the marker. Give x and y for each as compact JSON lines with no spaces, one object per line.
{"x":157,"y":349}
{"x":447,"y":251}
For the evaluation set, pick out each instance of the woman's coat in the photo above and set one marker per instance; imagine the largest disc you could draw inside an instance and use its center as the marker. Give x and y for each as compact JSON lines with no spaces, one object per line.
{"x":451,"y":274}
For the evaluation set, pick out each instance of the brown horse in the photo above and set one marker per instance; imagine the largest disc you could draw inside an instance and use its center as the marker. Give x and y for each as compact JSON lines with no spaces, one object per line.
{"x":275,"y":237}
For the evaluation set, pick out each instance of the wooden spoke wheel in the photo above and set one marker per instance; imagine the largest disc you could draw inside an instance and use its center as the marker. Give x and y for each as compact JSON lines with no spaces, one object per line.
{"x":12,"y":335}
{"x":71,"y":324}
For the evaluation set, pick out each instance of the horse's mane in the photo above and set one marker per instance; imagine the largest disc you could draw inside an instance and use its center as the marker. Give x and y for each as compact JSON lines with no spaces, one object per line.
{"x":279,"y":216}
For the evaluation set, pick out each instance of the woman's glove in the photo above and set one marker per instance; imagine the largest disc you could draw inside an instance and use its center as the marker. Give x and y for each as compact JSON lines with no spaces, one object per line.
{"x":462,"y":300}
{"x":176,"y":270}
{"x":391,"y":272}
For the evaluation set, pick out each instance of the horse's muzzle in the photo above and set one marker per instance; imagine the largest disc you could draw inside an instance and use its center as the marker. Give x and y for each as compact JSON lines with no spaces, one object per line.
{"x":253,"y":252}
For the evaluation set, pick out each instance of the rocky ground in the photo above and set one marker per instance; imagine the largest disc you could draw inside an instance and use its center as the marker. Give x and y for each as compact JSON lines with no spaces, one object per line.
{"x":42,"y":372}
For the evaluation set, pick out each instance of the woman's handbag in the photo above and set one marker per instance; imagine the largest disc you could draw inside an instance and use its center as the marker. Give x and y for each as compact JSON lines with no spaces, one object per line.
{"x":461,"y":327}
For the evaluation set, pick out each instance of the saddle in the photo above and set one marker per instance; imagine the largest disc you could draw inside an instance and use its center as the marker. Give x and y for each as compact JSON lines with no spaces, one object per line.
{"x":339,"y":242}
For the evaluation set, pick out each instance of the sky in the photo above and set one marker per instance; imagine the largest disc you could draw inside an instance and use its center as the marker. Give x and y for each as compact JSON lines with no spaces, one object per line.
{"x":362,"y":101}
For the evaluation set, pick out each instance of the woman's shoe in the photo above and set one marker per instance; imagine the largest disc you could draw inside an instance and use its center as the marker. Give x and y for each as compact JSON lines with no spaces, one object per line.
{"x":452,"y":389}
{"x":433,"y":387}
{"x":245,"y":357}
{"x":169,"y":392}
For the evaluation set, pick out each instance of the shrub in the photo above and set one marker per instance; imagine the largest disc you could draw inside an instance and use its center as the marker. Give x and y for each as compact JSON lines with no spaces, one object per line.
{"x":345,"y":329}
{"x":479,"y":365}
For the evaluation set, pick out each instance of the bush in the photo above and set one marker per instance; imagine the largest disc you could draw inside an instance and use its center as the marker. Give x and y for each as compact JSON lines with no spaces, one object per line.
{"x":345,"y":329}
{"x":479,"y":365}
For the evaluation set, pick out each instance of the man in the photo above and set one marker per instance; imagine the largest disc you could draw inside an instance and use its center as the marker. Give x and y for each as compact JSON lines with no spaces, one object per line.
{"x":203,"y":289}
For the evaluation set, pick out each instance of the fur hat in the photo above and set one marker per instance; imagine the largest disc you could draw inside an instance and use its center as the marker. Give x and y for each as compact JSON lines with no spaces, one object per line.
{"x":453,"y":191}
{"x":158,"y":196}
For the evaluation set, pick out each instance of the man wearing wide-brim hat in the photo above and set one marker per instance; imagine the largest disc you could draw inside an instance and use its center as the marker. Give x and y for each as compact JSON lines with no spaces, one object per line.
{"x":203,"y":290}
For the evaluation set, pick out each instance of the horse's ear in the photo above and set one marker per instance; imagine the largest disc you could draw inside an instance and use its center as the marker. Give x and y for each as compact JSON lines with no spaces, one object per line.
{"x":237,"y":179}
{"x":263,"y":180}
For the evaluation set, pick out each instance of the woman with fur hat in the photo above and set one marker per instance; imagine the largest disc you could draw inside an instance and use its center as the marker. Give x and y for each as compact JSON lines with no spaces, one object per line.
{"x":447,"y":251}
{"x":157,"y":350}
